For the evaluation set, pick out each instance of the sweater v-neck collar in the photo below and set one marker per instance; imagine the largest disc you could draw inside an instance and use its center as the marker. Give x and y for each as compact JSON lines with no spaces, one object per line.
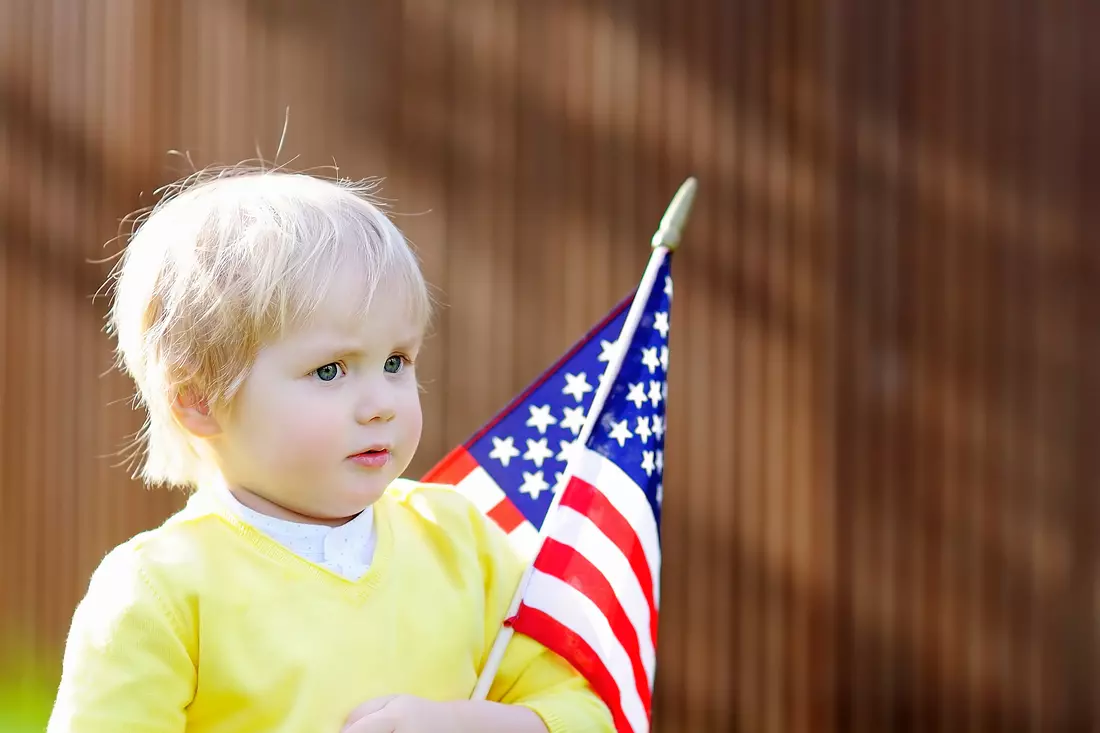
{"x":209,"y":500}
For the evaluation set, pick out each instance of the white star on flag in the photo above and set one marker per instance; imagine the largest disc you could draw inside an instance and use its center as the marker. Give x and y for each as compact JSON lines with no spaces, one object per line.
{"x":647,"y":462}
{"x":573,"y":419}
{"x":664,"y":358}
{"x":607,"y":349}
{"x":654,"y":393}
{"x":658,"y":426}
{"x":642,"y":430}
{"x":637,"y":394}
{"x":537,"y":452}
{"x":649,"y":358}
{"x":541,"y":418}
{"x":660,"y":324}
{"x":576,"y":385}
{"x":504,"y":450}
{"x":534,"y":484}
{"x":566,"y":447}
{"x":620,"y":432}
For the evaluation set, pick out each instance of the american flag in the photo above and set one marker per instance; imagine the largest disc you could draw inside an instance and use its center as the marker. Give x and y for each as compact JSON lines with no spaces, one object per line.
{"x":593,"y":590}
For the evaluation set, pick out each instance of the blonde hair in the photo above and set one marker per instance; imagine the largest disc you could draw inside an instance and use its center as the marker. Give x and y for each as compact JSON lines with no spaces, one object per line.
{"x":225,"y":262}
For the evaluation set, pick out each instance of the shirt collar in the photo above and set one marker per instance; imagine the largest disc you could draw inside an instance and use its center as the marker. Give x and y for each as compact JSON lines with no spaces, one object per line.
{"x":308,"y":540}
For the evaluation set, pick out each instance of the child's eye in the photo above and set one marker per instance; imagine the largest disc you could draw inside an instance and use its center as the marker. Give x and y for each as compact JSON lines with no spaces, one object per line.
{"x":328,"y":372}
{"x":394,"y":364}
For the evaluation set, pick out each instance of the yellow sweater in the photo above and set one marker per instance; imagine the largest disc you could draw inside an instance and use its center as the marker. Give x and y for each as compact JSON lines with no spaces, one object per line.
{"x":207,"y":625}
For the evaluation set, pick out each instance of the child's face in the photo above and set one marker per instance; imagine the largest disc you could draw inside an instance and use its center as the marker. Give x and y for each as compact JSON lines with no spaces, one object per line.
{"x":330,"y":414}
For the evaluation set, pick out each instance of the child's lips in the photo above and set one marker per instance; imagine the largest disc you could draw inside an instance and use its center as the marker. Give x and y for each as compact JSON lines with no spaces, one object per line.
{"x":372,"y":458}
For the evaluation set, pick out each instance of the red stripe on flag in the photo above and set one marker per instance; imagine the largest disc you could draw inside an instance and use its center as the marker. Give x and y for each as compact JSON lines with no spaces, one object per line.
{"x":565,"y":563}
{"x":507,"y":515}
{"x":583,"y":498}
{"x":565,"y":643}
{"x":455,"y":466}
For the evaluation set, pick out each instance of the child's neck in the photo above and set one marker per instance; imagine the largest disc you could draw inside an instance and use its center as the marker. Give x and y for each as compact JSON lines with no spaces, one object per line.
{"x":258,"y":503}
{"x":262,"y":505}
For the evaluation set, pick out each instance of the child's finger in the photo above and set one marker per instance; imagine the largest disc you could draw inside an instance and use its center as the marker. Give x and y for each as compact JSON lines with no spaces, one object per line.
{"x":367,"y":708}
{"x":373,"y":724}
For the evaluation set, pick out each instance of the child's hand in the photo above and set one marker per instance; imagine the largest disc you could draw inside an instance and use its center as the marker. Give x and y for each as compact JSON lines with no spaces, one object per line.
{"x":399,"y":714}
{"x":410,"y":714}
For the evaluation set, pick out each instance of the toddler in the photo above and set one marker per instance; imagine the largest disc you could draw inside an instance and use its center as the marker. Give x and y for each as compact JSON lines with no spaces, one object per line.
{"x":271,"y":323}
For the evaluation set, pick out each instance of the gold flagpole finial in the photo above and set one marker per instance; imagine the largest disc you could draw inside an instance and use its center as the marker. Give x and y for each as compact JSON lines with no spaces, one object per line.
{"x":672,"y":223}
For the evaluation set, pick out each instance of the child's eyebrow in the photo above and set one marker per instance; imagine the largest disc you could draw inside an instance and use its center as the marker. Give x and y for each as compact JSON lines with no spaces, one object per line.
{"x":411,"y":342}
{"x":341,"y":349}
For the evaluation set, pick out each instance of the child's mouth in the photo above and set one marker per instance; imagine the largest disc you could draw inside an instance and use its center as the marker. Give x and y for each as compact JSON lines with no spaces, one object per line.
{"x":372,"y":458}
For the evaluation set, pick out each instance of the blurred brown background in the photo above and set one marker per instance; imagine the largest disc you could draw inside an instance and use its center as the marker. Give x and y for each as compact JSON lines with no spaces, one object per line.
{"x":881,"y":492}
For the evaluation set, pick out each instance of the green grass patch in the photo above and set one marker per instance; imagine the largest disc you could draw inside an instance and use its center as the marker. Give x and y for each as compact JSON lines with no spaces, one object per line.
{"x":28,"y":683}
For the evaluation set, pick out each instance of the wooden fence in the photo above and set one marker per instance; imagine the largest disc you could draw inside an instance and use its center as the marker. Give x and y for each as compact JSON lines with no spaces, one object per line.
{"x":881,"y":492}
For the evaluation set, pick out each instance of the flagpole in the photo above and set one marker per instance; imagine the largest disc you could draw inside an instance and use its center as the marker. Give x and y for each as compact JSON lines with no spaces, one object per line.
{"x":665,"y":240}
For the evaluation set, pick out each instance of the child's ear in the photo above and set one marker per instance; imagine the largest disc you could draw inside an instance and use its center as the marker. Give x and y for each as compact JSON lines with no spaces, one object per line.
{"x":194,"y":414}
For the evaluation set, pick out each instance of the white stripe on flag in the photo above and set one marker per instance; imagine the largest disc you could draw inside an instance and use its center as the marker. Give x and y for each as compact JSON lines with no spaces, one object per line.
{"x":579,"y":532}
{"x":575,"y":610}
{"x":525,"y":539}
{"x":479,"y":487}
{"x":628,"y":499}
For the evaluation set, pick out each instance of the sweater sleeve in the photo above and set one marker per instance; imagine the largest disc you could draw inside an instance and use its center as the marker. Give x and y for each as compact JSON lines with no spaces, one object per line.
{"x":128,"y":663}
{"x":530,"y":674}
{"x":533,"y":676}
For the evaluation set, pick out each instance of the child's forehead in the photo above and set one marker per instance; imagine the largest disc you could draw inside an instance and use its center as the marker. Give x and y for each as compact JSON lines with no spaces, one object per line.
{"x":350,"y":306}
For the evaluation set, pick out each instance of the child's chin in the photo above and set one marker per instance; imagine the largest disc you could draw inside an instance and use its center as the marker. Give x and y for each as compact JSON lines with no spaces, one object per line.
{"x":364,"y":493}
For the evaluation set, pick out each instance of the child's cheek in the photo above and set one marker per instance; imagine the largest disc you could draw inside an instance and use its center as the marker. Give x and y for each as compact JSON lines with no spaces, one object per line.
{"x":311,"y":431}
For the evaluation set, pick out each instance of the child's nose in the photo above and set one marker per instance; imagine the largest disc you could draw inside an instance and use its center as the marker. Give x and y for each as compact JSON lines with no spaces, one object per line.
{"x":375,"y":404}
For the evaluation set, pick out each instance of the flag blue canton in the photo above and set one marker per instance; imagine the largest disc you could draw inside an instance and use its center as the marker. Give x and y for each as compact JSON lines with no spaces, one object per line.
{"x":525,"y":448}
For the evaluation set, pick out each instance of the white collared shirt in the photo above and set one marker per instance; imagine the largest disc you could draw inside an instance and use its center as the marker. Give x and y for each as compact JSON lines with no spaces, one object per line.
{"x":346,"y":550}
